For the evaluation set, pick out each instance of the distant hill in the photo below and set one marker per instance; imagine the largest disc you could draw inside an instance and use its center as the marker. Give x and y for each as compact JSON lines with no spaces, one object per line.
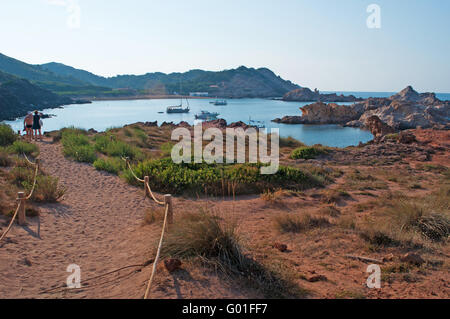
{"x":60,"y":84}
{"x":235,"y":83}
{"x":18,"y":96}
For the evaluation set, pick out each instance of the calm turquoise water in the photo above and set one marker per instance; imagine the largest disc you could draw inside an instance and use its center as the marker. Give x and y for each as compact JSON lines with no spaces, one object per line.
{"x":101,"y":115}
{"x":106,"y":114}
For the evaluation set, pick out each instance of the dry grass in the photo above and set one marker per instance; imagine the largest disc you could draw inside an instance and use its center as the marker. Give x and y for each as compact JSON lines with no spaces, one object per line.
{"x":334,"y":196}
{"x":288,"y":223}
{"x":410,"y":222}
{"x":330,"y":210}
{"x":154,"y":215}
{"x":207,"y":237}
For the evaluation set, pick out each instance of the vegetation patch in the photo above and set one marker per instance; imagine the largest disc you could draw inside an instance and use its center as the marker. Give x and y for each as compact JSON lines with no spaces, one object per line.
{"x":109,"y":145}
{"x":219,"y":179}
{"x":7,"y":135}
{"x":308,"y":152}
{"x":76,"y":145}
{"x":21,"y":147}
{"x":111,"y":165}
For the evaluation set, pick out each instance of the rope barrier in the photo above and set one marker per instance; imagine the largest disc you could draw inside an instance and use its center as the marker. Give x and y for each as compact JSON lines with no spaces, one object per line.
{"x":155,"y":263}
{"x":153,"y":196}
{"x":34,"y":183}
{"x":10,"y":224}
{"x":22,"y":199}
{"x":131,"y":170}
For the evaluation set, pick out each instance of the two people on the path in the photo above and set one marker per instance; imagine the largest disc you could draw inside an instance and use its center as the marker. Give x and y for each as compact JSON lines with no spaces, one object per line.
{"x":33,"y":125}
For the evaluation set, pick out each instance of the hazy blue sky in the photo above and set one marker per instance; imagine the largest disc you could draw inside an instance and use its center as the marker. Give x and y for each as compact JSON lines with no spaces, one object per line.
{"x":321,"y":43}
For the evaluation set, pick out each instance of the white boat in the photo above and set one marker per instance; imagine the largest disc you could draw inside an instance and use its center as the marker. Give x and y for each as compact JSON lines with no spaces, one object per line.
{"x":205,"y":115}
{"x":177,"y":109}
{"x":220,"y":102}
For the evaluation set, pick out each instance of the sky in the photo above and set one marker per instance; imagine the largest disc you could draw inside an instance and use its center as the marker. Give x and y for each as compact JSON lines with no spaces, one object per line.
{"x":324,"y":44}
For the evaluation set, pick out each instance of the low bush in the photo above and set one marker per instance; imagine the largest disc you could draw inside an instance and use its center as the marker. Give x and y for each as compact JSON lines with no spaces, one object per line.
{"x":77,"y":146}
{"x":108,"y":145}
{"x":21,"y":147}
{"x":110,"y":165}
{"x":220,"y":179}
{"x":7,"y":135}
{"x":47,"y":189}
{"x":308,"y":152}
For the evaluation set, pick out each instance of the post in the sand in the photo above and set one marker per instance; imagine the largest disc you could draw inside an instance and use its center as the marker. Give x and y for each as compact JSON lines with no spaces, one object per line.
{"x":168,"y":202}
{"x":22,"y":200}
{"x":146,"y":181}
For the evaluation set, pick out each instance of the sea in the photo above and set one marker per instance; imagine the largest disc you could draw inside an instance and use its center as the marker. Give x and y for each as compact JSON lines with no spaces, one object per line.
{"x":102,"y":115}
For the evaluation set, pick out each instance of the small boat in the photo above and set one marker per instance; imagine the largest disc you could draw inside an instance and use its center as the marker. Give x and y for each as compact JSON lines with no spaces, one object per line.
{"x":257,"y":124}
{"x":205,"y":115}
{"x":220,"y":102}
{"x":177,"y":109}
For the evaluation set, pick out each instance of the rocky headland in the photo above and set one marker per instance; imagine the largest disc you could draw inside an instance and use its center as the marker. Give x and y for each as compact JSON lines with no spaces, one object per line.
{"x":306,"y":95}
{"x":407,"y":109}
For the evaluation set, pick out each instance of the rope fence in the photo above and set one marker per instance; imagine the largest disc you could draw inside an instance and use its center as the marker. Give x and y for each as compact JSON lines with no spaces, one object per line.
{"x":20,"y":210}
{"x":168,"y":219}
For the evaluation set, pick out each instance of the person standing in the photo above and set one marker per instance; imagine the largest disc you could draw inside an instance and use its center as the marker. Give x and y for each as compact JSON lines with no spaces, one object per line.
{"x":37,"y":124}
{"x":28,"y":123}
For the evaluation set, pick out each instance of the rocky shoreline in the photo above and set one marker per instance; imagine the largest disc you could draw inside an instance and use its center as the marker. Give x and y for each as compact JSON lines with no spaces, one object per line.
{"x":407,"y":109}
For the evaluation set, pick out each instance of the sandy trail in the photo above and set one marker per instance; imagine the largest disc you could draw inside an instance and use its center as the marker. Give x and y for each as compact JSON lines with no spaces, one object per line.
{"x":94,"y":227}
{"x":98,"y":225}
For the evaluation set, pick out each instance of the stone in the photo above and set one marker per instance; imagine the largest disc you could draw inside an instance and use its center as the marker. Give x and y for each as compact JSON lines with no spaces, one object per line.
{"x":405,"y":137}
{"x":412,"y":258}
{"x":316,"y":278}
{"x":172,"y":264}
{"x":280,"y":247}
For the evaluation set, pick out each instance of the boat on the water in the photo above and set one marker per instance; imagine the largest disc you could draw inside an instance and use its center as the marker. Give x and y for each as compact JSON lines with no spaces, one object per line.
{"x":177,"y":109}
{"x":220,"y":102}
{"x":257,"y":124}
{"x":205,"y":115}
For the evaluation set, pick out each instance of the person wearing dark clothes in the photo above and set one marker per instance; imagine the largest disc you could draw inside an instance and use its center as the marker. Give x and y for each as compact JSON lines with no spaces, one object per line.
{"x":37,"y":125}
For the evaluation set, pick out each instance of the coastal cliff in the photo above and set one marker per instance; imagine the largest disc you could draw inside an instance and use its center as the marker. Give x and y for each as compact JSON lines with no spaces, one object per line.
{"x":404,"y":110}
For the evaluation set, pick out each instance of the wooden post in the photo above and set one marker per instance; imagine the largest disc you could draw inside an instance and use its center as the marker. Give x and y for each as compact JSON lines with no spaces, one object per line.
{"x":38,"y":162}
{"x":22,"y":216}
{"x":147,"y":180}
{"x":168,"y":201}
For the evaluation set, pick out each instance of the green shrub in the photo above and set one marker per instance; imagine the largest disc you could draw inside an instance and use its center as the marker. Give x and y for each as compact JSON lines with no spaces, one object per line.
{"x":47,"y":189}
{"x":20,"y":147}
{"x":77,"y":146}
{"x":7,"y":135}
{"x":19,"y":175}
{"x":110,"y":165}
{"x":219,"y":179}
{"x":307,"y":152}
{"x":111,"y":147}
